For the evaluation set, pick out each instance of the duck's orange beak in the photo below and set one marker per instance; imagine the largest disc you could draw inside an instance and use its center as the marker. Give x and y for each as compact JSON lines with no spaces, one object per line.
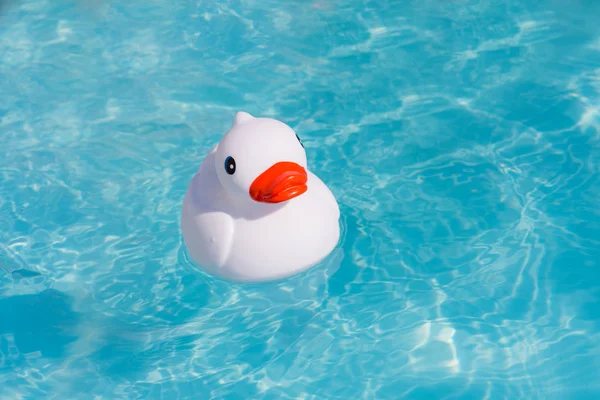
{"x":281,"y":182}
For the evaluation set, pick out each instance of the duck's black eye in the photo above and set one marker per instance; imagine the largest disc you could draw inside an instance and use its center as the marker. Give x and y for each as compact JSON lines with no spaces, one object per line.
{"x":230,"y":165}
{"x":297,"y":137}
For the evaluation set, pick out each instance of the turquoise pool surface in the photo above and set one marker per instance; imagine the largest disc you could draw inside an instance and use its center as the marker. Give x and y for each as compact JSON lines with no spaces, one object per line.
{"x":460,"y":137}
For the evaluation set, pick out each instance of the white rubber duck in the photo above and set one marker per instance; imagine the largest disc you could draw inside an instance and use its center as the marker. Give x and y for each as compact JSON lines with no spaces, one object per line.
{"x":254,"y":212}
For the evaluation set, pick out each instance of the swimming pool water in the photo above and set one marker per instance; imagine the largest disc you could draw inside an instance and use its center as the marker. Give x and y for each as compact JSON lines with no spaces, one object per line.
{"x":461,"y":139}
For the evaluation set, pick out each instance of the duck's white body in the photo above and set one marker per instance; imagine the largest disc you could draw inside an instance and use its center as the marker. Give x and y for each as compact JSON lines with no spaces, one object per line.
{"x":231,"y":234}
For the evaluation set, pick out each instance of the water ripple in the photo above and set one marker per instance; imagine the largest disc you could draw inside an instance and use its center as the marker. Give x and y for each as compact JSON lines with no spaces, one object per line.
{"x":461,"y":139}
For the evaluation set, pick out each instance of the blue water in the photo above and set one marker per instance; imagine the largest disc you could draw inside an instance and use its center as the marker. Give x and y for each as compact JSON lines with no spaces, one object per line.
{"x":460,"y":137}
